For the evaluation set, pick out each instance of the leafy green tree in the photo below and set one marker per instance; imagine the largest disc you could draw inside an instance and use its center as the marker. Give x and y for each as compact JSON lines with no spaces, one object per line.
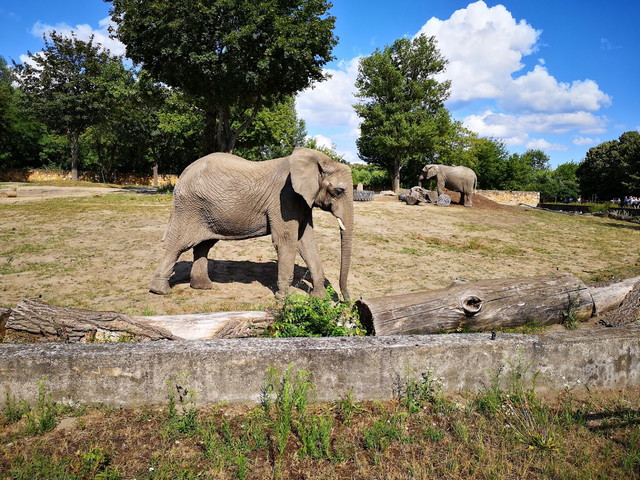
{"x":63,"y":81}
{"x":491,"y":160}
{"x":21,"y":133}
{"x":610,"y":170}
{"x":630,"y":157}
{"x":559,"y":184}
{"x":274,"y":133}
{"x":401,"y":104}
{"x":231,"y":57}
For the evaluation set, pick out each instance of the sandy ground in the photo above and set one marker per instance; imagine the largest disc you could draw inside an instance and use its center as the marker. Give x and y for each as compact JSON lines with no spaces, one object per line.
{"x":98,"y":251}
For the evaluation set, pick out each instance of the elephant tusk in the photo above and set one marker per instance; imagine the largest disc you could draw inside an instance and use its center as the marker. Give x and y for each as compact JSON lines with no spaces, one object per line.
{"x":340,"y":224}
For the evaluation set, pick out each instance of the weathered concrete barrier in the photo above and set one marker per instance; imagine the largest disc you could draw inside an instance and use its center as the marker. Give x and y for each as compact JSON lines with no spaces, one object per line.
{"x":131,"y":374}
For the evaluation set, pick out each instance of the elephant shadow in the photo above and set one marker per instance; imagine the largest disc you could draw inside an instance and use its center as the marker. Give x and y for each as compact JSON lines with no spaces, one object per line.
{"x":247,"y":272}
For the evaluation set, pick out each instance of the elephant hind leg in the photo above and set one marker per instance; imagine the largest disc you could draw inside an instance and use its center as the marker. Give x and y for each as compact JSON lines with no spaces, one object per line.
{"x":160,"y":281}
{"x":200,"y":268}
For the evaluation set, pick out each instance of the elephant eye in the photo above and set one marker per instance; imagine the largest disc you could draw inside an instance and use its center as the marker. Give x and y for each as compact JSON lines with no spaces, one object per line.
{"x":336,"y":192}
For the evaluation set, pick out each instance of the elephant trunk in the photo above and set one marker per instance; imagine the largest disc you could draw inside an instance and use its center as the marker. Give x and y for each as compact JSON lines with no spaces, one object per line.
{"x":346,"y":238}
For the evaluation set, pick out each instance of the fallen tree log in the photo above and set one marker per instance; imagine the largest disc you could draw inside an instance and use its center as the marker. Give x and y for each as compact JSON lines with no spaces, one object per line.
{"x":489,"y":305}
{"x":463,"y":306}
{"x":48,"y":323}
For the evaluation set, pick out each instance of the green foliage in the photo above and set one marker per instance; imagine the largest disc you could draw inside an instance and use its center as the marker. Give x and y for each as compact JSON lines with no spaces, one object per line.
{"x":611,"y":169}
{"x":64,"y":82}
{"x":372,"y":177}
{"x":44,"y":416}
{"x":182,"y":413}
{"x":347,"y":408}
{"x":382,"y":432}
{"x":518,"y":388}
{"x":401,"y":104}
{"x":416,"y":394}
{"x":305,"y":316}
{"x":13,"y":409}
{"x":274,"y":133}
{"x":231,"y":57}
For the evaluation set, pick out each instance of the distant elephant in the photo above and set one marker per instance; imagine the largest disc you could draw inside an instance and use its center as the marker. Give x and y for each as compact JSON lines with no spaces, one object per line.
{"x":224,"y":197}
{"x":457,"y":179}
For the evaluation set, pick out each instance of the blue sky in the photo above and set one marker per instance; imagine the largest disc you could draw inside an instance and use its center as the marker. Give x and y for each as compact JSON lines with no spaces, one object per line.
{"x":557,"y":75}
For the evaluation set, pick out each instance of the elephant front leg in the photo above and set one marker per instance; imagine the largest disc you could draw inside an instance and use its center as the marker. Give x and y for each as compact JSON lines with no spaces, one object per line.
{"x":200,"y":267}
{"x":308,"y":249}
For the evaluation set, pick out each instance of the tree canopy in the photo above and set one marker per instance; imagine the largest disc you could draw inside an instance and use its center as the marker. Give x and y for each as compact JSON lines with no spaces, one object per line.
{"x":611,"y":169}
{"x":232,"y":57}
{"x":64,"y":79}
{"x":401,"y":104}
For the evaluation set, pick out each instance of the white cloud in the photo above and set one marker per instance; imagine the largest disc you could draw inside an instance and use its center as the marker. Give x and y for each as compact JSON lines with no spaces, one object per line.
{"x":327,"y":109}
{"x":84,"y":32}
{"x":515,"y":129}
{"x":484,"y":47}
{"x":330,"y":102}
{"x":581,"y":141}
{"x":542,"y":144}
{"x":539,"y":91}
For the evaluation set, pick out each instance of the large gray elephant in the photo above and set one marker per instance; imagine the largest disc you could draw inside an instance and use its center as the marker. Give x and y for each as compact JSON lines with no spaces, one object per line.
{"x":224,"y":197}
{"x":456,"y":178}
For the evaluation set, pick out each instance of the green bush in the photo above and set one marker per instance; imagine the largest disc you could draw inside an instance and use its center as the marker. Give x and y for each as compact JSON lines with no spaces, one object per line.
{"x":304,"y":316}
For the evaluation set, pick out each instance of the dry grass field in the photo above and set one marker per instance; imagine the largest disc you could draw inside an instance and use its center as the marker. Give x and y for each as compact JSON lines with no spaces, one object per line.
{"x":96,"y":248}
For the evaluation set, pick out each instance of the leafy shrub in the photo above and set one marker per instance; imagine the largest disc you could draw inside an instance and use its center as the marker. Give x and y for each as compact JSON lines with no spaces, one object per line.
{"x":304,"y":316}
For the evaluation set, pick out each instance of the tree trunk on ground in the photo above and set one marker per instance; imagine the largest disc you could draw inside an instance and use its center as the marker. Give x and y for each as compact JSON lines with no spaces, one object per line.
{"x":488,"y":305}
{"x":463,"y":306}
{"x":57,"y":324}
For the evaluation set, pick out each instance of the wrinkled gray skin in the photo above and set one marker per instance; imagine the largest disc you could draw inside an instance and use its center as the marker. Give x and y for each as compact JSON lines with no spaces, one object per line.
{"x":457,"y":179}
{"x":224,"y":197}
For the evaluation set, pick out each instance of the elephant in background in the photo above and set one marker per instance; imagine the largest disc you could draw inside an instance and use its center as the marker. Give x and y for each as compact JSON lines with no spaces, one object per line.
{"x":456,"y":178}
{"x":224,"y":197}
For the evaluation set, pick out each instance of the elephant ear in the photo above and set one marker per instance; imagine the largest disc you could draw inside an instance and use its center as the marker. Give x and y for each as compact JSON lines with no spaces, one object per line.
{"x":307,"y":168}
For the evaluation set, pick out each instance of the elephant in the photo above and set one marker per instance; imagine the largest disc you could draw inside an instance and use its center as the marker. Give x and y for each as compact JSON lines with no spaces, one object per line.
{"x":224,"y":197}
{"x":456,"y":178}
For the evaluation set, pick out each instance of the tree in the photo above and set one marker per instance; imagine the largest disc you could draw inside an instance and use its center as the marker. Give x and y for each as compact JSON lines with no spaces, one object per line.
{"x":63,"y":80}
{"x":491,"y":160}
{"x":231,"y":57}
{"x":20,"y":132}
{"x":611,"y":169}
{"x":275,"y":132}
{"x":401,"y":104}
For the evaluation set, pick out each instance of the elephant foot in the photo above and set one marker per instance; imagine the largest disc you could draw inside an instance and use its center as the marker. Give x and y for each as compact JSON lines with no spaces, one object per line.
{"x":160,"y":286}
{"x":201,"y":284}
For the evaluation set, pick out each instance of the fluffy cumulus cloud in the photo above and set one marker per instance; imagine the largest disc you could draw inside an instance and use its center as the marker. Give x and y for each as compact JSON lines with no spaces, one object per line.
{"x":84,"y":32}
{"x":327,"y":108}
{"x":485,"y":47}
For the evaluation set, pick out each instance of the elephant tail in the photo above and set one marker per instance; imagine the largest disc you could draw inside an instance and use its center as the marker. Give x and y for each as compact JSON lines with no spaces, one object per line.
{"x":166,"y":230}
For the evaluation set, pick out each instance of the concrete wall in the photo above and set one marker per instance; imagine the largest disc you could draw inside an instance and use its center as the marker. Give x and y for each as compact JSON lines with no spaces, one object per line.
{"x":131,"y":374}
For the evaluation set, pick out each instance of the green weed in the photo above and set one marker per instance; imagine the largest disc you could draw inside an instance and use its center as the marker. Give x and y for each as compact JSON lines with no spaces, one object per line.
{"x":44,"y":416}
{"x":347,"y":408}
{"x":13,"y":409}
{"x":182,"y":413}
